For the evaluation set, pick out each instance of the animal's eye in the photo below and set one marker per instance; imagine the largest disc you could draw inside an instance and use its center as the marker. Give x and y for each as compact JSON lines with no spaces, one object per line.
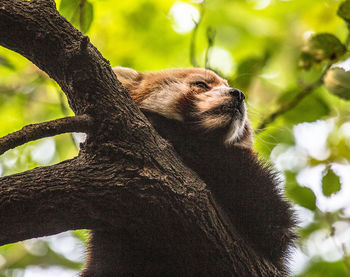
{"x":201,"y":84}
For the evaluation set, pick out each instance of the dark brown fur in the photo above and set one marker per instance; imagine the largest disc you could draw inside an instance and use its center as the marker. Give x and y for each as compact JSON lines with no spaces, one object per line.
{"x":244,"y":188}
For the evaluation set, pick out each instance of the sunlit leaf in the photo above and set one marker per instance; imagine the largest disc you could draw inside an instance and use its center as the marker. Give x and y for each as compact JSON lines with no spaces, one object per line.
{"x":246,"y":71}
{"x":78,"y":12}
{"x":86,"y":16}
{"x":82,"y":235}
{"x":337,"y":81}
{"x":303,"y":111}
{"x":330,"y":183}
{"x":344,"y":10}
{"x":321,"y":47}
{"x":4,"y":61}
{"x":300,"y":195}
{"x":320,"y":268}
{"x":68,"y":8}
{"x":308,"y":230}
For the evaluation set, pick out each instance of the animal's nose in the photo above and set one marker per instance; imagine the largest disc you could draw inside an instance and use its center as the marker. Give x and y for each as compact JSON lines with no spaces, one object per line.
{"x":237,"y":94}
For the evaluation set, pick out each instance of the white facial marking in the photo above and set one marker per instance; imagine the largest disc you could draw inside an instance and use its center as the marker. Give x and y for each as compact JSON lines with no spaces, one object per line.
{"x":164,"y":101}
{"x":206,"y":103}
{"x":236,"y":130}
{"x":214,"y":121}
{"x":211,"y":99}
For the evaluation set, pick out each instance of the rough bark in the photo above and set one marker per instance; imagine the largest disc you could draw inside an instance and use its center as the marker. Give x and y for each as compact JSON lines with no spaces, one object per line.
{"x":126,"y":179}
{"x":32,"y":132}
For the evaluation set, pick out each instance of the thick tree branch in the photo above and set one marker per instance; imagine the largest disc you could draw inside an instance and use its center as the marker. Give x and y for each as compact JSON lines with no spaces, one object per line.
{"x":69,"y":196}
{"x":80,"y":123}
{"x":127,"y":182}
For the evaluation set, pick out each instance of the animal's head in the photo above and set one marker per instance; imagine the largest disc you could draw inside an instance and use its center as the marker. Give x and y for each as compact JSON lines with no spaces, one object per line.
{"x":198,"y":97}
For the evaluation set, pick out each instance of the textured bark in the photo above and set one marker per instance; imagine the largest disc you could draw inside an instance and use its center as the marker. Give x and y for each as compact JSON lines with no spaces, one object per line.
{"x":127,"y":184}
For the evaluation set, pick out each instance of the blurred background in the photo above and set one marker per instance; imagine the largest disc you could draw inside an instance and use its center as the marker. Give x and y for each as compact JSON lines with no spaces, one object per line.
{"x":290,"y":57}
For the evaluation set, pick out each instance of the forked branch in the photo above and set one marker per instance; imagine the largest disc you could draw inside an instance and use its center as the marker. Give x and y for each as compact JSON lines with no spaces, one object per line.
{"x":80,"y":123}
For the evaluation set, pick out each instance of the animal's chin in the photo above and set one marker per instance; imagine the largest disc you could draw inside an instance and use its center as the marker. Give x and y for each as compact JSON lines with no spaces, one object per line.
{"x":229,"y":125}
{"x":223,"y":117}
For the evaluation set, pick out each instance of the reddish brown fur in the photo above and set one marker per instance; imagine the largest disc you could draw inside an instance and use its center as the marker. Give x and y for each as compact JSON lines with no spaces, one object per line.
{"x":148,"y":83}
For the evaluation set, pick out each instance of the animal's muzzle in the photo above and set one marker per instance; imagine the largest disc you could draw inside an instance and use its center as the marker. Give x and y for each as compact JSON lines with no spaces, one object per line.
{"x":237,"y":95}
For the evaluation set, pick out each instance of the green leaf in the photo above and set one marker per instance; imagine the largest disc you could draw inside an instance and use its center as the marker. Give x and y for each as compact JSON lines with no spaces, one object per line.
{"x":306,"y":60}
{"x":86,"y":16}
{"x":78,"y":12}
{"x":337,"y":81}
{"x":319,"y":268}
{"x":321,"y":47}
{"x":308,"y":230}
{"x":300,"y":195}
{"x":247,"y":71}
{"x":68,"y":8}
{"x":344,"y":11}
{"x":312,"y":108}
{"x":4,"y":61}
{"x":330,"y":183}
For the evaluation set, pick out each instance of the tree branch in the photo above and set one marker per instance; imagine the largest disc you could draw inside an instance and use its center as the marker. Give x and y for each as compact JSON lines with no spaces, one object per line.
{"x":111,"y":197}
{"x":194,"y":35}
{"x":211,"y":33}
{"x":66,"y":196}
{"x":80,"y":123}
{"x":303,"y":92}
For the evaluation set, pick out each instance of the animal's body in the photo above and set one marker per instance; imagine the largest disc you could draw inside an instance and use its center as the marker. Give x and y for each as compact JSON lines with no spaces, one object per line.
{"x":206,"y":122}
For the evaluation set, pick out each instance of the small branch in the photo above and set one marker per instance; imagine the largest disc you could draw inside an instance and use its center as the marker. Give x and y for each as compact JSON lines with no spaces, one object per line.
{"x":345,"y":258}
{"x":65,"y":112}
{"x":342,"y":247}
{"x":303,"y":92}
{"x":80,"y":123}
{"x":211,"y":33}
{"x":64,"y":109}
{"x":347,"y":42}
{"x":194,"y":35}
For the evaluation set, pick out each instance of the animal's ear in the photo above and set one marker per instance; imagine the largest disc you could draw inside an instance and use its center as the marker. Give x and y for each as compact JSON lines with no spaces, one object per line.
{"x":126,"y":75}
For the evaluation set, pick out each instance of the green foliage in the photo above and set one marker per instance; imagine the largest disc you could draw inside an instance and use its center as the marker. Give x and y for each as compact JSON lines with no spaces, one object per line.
{"x":337,"y":81}
{"x":321,"y":47}
{"x":5,"y":62}
{"x":344,"y":11}
{"x":248,"y":70}
{"x":318,"y":268}
{"x":78,"y":12}
{"x":301,"y":195}
{"x":330,"y":183}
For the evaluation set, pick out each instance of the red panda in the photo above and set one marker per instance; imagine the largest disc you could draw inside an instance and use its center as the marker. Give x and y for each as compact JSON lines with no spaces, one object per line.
{"x":206,"y":122}
{"x":194,"y":96}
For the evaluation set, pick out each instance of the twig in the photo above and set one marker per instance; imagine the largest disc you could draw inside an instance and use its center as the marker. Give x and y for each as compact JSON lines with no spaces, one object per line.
{"x":303,"y":92}
{"x":64,"y":109}
{"x":80,"y":123}
{"x":347,"y":41}
{"x":345,"y":258}
{"x":211,"y":33}
{"x":65,"y":112}
{"x":342,"y":247}
{"x":194,"y":35}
